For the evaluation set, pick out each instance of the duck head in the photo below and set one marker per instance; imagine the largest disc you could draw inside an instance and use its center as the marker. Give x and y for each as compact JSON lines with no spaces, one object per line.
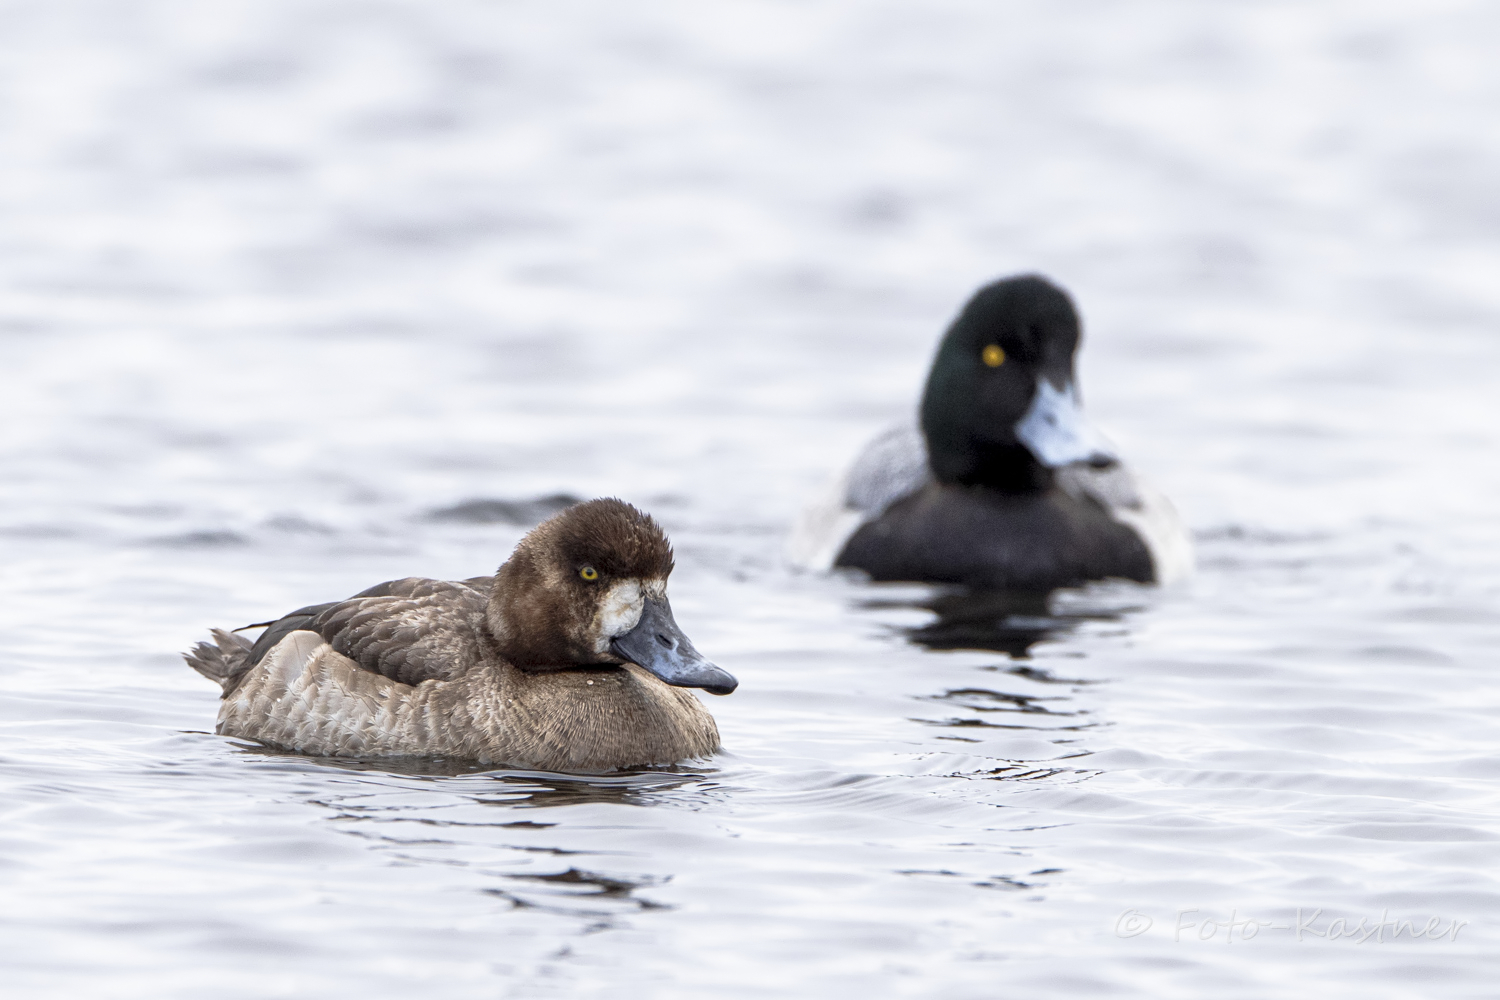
{"x":588,"y":587}
{"x":1001,"y":406}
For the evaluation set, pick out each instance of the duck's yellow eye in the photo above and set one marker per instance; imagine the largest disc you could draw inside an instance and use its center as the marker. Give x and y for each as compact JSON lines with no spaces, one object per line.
{"x":589,"y":573}
{"x":993,"y":355}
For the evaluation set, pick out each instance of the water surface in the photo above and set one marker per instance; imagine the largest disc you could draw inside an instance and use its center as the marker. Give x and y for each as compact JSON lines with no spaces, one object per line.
{"x":300,"y":297}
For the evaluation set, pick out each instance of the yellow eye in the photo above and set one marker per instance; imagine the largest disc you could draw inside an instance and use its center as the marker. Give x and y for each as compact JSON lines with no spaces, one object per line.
{"x":993,"y":355}
{"x":589,"y":573}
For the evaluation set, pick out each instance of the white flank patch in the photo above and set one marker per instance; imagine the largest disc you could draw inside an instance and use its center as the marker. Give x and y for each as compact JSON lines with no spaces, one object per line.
{"x":1161,"y":528}
{"x":820,"y":533}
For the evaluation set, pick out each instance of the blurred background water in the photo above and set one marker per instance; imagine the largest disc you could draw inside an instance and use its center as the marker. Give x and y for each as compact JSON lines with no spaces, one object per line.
{"x":284,"y":287}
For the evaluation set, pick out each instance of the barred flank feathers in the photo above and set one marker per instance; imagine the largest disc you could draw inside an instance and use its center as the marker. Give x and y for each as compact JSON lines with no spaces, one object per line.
{"x":223,"y":662}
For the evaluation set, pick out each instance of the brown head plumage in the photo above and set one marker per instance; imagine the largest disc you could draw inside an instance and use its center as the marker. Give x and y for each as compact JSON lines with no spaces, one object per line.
{"x":546,"y":595}
{"x":615,"y":538}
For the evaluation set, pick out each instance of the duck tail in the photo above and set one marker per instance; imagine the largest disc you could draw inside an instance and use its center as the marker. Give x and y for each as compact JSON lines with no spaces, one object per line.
{"x":224,"y":661}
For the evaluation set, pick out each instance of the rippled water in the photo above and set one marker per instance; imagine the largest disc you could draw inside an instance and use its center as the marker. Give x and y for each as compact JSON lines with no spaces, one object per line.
{"x":286,"y":287}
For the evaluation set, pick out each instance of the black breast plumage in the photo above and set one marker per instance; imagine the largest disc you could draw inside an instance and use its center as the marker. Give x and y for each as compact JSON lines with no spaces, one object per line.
{"x":984,"y":538}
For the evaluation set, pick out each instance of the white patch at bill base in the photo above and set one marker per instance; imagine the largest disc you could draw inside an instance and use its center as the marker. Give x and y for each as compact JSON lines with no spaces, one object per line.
{"x":619,"y":611}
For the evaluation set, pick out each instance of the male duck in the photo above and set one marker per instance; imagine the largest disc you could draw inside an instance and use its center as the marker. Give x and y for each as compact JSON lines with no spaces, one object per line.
{"x":567,"y":659}
{"x":1006,"y":486}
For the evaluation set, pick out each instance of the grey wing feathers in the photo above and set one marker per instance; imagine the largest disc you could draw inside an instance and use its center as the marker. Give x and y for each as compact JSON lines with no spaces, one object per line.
{"x":892,"y":466}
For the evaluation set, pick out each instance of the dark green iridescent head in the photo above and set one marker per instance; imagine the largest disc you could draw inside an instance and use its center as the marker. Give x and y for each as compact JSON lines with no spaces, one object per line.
{"x":1012,"y":335}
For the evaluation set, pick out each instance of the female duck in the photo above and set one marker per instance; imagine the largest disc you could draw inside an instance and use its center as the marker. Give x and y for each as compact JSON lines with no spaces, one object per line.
{"x":1006,"y":486}
{"x":568,"y":659}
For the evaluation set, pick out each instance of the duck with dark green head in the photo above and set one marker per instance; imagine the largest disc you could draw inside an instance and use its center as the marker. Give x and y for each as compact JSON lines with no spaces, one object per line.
{"x":1006,"y":485}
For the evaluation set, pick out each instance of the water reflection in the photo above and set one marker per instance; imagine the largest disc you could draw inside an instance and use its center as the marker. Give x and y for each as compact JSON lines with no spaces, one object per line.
{"x":545,"y":789}
{"x":1009,"y":622}
{"x":442,"y":817}
{"x":1003,"y":621}
{"x":983,"y":702}
{"x":1012,"y":623}
{"x":413,"y":767}
{"x":555,"y":891}
{"x":518,"y":788}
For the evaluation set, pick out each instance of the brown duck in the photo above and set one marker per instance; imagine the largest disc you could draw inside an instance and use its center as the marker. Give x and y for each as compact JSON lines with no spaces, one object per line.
{"x":567,"y":659}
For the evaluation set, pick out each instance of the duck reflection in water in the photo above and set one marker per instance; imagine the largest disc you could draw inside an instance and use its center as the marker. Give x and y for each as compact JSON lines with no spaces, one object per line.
{"x":1004,"y":621}
{"x":521,"y":789}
